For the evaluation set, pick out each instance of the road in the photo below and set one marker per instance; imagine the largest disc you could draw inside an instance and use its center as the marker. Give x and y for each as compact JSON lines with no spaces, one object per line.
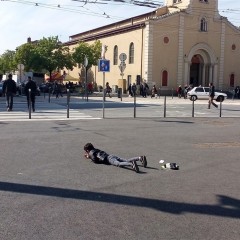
{"x":49,"y":191}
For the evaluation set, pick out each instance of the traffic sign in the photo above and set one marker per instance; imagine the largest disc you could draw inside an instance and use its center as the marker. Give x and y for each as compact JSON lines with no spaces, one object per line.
{"x":103,"y":65}
{"x":123,"y":56}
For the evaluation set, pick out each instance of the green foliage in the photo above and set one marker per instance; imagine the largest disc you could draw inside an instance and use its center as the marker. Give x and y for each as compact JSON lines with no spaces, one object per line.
{"x":7,"y":62}
{"x":52,"y":55}
{"x":92,"y":52}
{"x":26,"y":55}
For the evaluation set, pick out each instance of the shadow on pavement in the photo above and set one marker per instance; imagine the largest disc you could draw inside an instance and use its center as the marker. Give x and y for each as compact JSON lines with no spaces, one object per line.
{"x":227,"y":207}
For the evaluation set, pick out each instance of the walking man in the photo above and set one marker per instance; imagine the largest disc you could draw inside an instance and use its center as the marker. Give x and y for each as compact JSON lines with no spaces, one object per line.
{"x":31,"y":85}
{"x":9,"y":89}
{"x":211,"y":96}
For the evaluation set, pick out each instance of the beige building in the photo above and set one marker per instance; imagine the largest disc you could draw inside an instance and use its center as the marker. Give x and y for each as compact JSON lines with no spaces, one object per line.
{"x":185,"y":42}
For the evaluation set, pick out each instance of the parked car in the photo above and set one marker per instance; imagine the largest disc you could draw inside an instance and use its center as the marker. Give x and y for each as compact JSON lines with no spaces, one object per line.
{"x":203,"y":93}
{"x":45,"y":87}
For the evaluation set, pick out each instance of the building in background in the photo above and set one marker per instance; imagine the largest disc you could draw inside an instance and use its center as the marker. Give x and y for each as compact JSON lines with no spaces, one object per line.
{"x":186,"y":42}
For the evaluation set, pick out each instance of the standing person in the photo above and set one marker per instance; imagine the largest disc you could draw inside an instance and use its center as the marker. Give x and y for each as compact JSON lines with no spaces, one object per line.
{"x":108,"y":89}
{"x":9,"y":89}
{"x":130,"y":90}
{"x":134,"y":89}
{"x":185,"y":91}
{"x":154,"y":92}
{"x":99,"y":156}
{"x":58,"y":90}
{"x":31,"y":85}
{"x":179,"y":91}
{"x":211,"y":96}
{"x":145,"y":89}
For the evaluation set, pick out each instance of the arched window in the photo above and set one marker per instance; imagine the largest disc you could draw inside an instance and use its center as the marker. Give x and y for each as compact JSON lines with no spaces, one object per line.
{"x":203,"y":25}
{"x":131,"y":53}
{"x":232,"y":77}
{"x":115,"y":55}
{"x":164,"y":78}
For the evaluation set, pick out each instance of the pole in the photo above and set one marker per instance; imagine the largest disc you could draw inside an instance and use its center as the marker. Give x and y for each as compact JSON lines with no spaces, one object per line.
{"x":134,"y":112}
{"x":192,"y":108}
{"x":172,"y":93}
{"x":220,"y":108}
{"x":29,"y":103}
{"x":103,"y":94}
{"x":165,"y":108}
{"x":49,"y":94}
{"x":68,"y":100}
{"x":86,"y":97}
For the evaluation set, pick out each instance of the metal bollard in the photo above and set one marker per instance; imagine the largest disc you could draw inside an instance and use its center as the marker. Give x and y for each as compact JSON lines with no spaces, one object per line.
{"x":68,"y":101}
{"x":192,"y":108}
{"x":134,"y":112}
{"x":165,"y":108}
{"x":49,"y":95}
{"x":29,"y":103}
{"x":220,"y":109}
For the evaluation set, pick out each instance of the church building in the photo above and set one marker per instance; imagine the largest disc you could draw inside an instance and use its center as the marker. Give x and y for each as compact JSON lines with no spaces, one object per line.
{"x":185,"y":42}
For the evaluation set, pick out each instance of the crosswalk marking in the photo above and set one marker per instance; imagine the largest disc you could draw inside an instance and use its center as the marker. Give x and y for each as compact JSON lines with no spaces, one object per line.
{"x":44,"y":112}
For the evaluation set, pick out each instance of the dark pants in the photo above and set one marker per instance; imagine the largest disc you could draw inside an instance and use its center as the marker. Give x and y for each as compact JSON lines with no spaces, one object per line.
{"x":32,"y":101}
{"x":210,"y":101}
{"x":9,"y":100}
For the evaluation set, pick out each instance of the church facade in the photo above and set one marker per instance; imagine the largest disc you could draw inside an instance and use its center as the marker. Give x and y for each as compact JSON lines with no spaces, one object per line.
{"x":186,"y":42}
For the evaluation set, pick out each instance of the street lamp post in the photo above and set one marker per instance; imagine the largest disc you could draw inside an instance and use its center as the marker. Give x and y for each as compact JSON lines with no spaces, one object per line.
{"x":85,"y":65}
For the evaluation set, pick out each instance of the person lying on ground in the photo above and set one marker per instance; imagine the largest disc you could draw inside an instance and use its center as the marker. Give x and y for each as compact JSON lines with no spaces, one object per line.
{"x":99,"y":156}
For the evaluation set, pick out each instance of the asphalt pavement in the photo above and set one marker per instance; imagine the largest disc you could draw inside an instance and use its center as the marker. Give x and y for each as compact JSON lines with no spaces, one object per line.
{"x":49,"y":191}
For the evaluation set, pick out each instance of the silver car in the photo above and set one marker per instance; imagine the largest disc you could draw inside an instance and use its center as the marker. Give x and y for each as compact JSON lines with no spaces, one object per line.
{"x":203,"y":93}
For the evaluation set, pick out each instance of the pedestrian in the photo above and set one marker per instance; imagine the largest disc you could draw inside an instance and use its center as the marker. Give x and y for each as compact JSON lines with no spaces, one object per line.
{"x":31,"y":96}
{"x":130,"y":94}
{"x":134,"y":89}
{"x":58,"y":90}
{"x":108,"y":89}
{"x":211,"y":96}
{"x":179,"y":91}
{"x":145,"y":89}
{"x":141,"y":89}
{"x":154,"y":92}
{"x":185,"y":91}
{"x":90,"y":88}
{"x":9,"y":89}
{"x":99,"y":156}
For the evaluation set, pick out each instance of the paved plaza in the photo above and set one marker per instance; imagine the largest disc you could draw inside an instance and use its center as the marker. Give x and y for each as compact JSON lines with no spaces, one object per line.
{"x":49,"y":191}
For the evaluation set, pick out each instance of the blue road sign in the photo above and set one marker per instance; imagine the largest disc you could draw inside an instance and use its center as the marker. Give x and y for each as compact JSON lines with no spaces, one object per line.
{"x":103,"y":65}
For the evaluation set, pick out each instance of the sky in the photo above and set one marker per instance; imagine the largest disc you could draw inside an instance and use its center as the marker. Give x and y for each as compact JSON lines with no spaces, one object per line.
{"x":20,"y":19}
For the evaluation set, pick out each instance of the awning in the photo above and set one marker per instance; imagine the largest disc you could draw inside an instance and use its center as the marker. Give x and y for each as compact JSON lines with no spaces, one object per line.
{"x":56,"y":76}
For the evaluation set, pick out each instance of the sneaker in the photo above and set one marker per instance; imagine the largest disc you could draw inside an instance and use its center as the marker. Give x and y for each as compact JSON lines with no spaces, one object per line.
{"x":143,"y":160}
{"x":8,"y":109}
{"x":135,"y":167}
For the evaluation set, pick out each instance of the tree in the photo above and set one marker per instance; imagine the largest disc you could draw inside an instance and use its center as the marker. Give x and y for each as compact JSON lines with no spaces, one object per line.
{"x":92,"y":52}
{"x":52,"y":55}
{"x":7,"y":62}
{"x":26,"y":55}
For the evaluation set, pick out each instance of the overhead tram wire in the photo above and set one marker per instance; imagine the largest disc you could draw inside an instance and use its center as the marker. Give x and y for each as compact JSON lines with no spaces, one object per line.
{"x":141,"y":3}
{"x":60,"y":7}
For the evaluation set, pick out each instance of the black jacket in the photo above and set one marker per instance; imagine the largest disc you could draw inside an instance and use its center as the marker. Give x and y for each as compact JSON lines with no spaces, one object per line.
{"x":9,"y":86}
{"x":212,"y":91}
{"x":98,"y":156}
{"x":30,"y":85}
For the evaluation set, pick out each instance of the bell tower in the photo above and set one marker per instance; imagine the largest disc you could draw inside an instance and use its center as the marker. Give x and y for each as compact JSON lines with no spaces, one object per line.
{"x":193,"y":5}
